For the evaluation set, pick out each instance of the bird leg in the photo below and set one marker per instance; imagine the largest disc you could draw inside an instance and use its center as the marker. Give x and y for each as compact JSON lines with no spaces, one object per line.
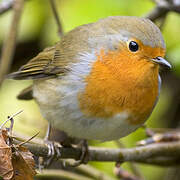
{"x":53,"y":151}
{"x":48,"y":131}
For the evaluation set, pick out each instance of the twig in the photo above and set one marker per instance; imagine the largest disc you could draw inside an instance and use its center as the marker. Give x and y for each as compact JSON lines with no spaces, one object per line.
{"x":135,"y":169}
{"x":162,"y":161}
{"x":125,"y":175}
{"x":9,"y":118}
{"x":165,"y":154}
{"x":60,"y":174}
{"x":93,"y":172}
{"x":162,"y":8}
{"x":9,"y":44}
{"x":156,"y":13}
{"x":28,"y":140}
{"x":58,"y":22}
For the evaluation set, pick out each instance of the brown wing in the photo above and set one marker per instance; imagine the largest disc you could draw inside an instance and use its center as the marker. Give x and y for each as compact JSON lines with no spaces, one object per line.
{"x":54,"y":61}
{"x":41,"y":66}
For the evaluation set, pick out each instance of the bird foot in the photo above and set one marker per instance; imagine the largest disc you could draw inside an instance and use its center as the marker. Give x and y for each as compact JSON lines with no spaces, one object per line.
{"x":53,"y":153}
{"x":84,"y":155}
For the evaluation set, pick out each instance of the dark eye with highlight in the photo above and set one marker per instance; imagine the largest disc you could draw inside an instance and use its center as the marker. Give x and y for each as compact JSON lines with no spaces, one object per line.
{"x":133,"y":46}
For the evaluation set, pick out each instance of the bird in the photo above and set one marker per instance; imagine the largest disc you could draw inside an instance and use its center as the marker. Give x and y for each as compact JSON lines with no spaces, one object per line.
{"x":101,"y":80}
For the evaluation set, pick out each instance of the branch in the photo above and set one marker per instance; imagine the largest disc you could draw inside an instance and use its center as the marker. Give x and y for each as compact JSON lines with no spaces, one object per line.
{"x":123,"y":174}
{"x":133,"y":166}
{"x":9,"y":45}
{"x":93,"y":172}
{"x":162,"y":8}
{"x":58,"y":22}
{"x":165,"y":154}
{"x":60,"y":174}
{"x":156,"y":13}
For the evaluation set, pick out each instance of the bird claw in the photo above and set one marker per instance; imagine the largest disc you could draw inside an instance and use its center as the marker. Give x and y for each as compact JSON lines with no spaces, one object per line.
{"x":53,"y":152}
{"x":84,"y":155}
{"x":51,"y":148}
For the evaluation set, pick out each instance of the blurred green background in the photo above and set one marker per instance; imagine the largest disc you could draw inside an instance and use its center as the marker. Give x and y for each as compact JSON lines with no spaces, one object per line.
{"x":38,"y":30}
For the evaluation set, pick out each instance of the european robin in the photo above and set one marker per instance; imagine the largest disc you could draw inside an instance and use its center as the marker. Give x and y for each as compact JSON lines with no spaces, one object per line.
{"x":101,"y":81}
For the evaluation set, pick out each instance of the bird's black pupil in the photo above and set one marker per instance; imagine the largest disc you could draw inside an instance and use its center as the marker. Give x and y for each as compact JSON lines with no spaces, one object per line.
{"x":133,"y":46}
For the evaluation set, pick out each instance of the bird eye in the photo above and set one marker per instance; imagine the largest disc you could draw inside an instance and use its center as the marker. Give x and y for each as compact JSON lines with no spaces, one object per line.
{"x":133,"y":46}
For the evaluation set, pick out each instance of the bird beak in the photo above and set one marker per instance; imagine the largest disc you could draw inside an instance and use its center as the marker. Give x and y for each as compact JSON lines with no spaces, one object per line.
{"x":162,"y":62}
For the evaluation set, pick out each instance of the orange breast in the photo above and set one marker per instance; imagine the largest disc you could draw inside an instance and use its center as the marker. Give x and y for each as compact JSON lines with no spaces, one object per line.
{"x":118,"y":82}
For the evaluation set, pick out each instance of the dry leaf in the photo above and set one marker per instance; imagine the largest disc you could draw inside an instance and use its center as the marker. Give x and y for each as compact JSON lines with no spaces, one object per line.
{"x":6,"y":168}
{"x":16,"y":162}
{"x":23,"y":164}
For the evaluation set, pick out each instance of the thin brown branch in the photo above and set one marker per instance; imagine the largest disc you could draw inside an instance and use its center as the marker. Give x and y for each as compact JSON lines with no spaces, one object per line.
{"x":162,"y":8}
{"x":9,"y":44}
{"x":93,"y":172}
{"x":60,"y":174}
{"x":162,"y":161}
{"x":125,"y":175}
{"x":133,"y":166}
{"x":164,"y":154}
{"x":56,"y":16}
{"x":9,"y":119}
{"x":156,"y":13}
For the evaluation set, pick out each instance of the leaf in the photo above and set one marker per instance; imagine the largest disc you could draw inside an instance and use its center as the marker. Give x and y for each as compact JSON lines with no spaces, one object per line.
{"x":16,"y":162}
{"x":23,"y":164}
{"x":6,"y":168}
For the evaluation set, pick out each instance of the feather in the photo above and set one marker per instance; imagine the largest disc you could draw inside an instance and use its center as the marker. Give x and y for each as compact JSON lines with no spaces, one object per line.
{"x":41,"y":66}
{"x":26,"y":94}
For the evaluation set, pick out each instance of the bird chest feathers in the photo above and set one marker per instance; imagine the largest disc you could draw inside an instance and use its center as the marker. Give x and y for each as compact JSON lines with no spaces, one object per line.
{"x":99,"y":96}
{"x":117,"y":84}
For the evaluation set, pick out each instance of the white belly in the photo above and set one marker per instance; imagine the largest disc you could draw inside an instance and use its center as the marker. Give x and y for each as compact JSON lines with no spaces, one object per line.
{"x":58,"y":102}
{"x":93,"y":128}
{"x":59,"y":105}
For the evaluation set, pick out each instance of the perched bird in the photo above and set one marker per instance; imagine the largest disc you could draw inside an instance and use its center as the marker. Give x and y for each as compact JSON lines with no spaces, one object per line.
{"x":101,"y":81}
